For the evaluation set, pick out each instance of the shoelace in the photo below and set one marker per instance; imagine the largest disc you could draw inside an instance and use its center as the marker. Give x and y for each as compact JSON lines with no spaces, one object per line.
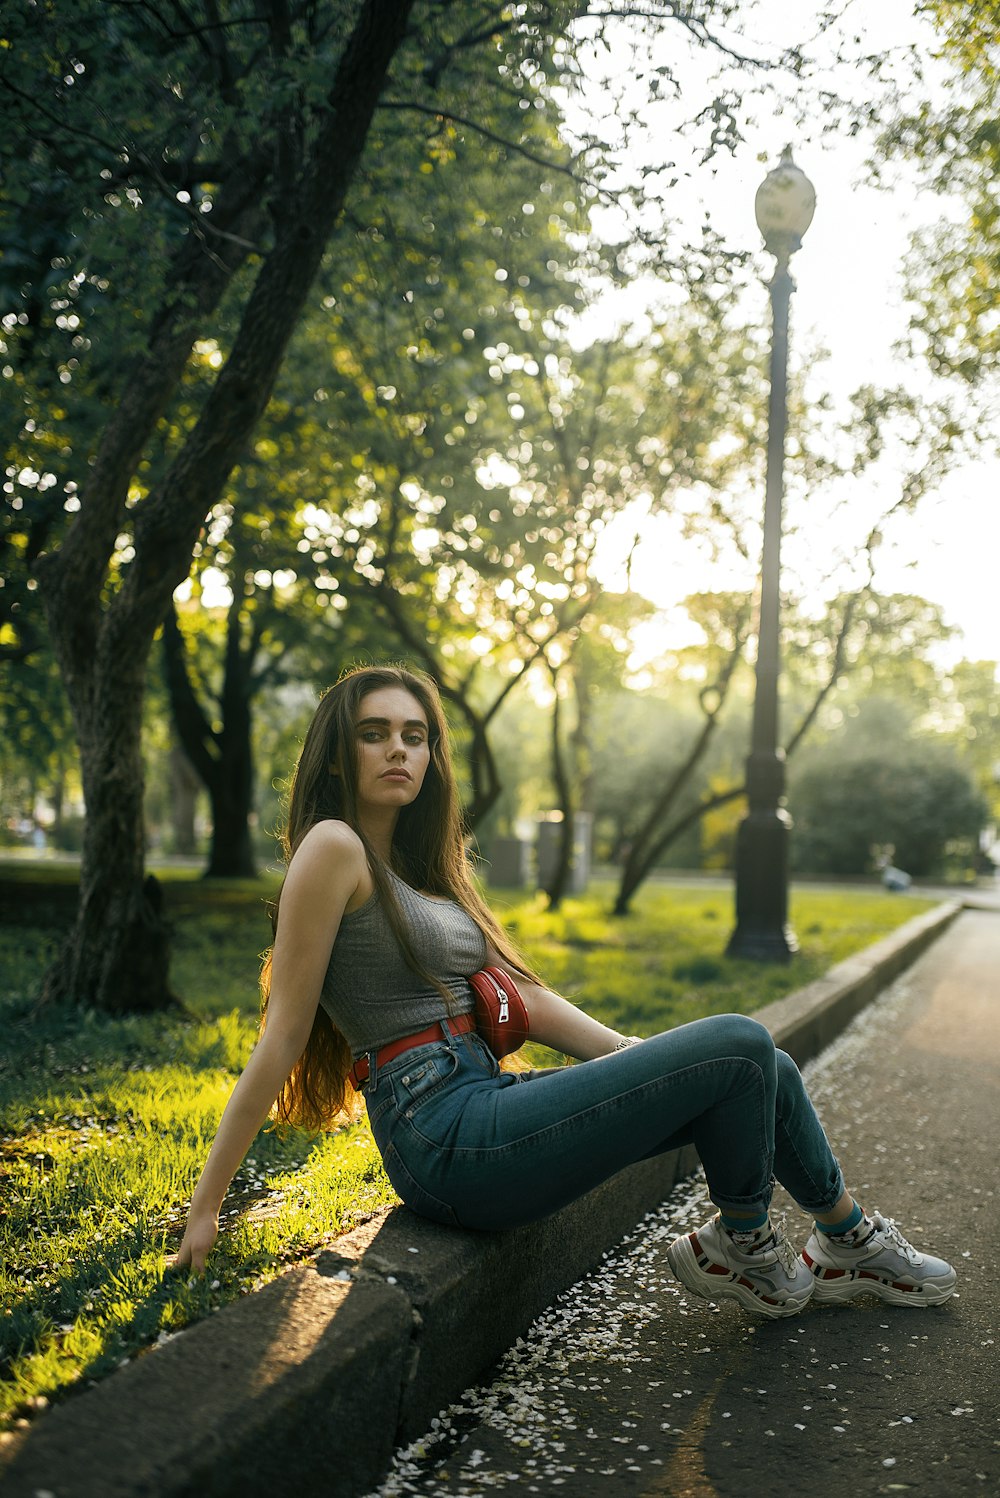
{"x":785,"y":1252}
{"x":779,"y":1245}
{"x":775,"y":1243}
{"x":897,"y":1240}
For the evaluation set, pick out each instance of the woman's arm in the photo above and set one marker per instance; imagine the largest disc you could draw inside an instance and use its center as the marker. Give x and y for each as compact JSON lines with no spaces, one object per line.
{"x":556,"y":1022}
{"x":325,"y":872}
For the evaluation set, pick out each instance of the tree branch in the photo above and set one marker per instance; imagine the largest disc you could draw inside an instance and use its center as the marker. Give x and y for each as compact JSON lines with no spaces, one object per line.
{"x":646,"y":845}
{"x":836,"y":671}
{"x":490,"y":135}
{"x":691,"y":23}
{"x":77,"y":132}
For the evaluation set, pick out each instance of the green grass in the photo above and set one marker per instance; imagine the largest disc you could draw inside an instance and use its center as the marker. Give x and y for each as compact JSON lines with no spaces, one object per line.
{"x":664,"y":964}
{"x":105,"y":1121}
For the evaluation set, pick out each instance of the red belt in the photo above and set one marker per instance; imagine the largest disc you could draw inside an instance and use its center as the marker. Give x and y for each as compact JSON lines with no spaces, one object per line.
{"x":358,"y":1073}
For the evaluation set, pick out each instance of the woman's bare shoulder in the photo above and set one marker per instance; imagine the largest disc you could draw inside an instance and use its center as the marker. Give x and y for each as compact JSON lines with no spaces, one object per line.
{"x":329,"y":864}
{"x":331,"y":842}
{"x":332,"y":830}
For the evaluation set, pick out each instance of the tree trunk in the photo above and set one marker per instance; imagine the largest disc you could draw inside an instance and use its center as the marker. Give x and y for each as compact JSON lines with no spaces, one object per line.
{"x":184,"y":788}
{"x":637,"y":867}
{"x":117,"y":954}
{"x":221,"y":758}
{"x":231,"y":789}
{"x":649,"y":842}
{"x":581,"y":740}
{"x":486,"y":785}
{"x":670,"y":835}
{"x":232,"y":800}
{"x":232,"y":855}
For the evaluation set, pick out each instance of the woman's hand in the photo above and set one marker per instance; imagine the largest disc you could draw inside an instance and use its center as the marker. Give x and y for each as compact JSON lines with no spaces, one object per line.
{"x":199,"y":1239}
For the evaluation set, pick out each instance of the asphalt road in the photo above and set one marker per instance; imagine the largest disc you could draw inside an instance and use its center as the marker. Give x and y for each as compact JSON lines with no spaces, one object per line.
{"x":627,"y":1386}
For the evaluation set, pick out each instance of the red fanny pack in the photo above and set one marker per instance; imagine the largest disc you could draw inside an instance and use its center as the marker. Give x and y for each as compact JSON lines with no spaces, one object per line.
{"x":501,"y":1017}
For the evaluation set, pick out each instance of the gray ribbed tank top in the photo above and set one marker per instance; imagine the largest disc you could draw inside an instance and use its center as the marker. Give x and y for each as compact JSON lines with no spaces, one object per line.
{"x":370,"y":993}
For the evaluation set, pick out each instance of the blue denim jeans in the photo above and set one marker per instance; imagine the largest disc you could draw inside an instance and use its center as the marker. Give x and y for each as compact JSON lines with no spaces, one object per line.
{"x":471,"y":1146}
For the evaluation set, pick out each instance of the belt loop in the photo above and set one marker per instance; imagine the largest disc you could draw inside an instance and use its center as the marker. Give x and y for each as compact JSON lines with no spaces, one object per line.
{"x":372,"y":1072}
{"x":451,"y":1033}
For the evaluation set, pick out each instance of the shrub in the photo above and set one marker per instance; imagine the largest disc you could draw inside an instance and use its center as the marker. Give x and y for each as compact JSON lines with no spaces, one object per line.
{"x":914,"y":796}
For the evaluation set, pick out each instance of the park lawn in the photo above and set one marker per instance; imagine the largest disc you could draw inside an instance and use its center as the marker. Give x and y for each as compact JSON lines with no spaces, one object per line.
{"x":105,"y":1121}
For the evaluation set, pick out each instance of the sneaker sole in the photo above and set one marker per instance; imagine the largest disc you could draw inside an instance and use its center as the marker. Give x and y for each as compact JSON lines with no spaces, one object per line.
{"x":728,"y":1284}
{"x":849,"y":1284}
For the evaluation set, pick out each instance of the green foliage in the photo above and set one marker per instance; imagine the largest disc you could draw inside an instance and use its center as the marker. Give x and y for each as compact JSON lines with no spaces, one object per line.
{"x":973,"y":711}
{"x":953,"y":139}
{"x":638,"y":736}
{"x":37,"y":747}
{"x":372,"y":423}
{"x":630,"y":739}
{"x":880,"y":786}
{"x":438,"y":463}
{"x":892,"y":645}
{"x":639,"y":740}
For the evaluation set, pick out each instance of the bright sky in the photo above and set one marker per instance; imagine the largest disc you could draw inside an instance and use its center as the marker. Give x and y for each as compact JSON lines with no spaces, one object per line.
{"x":848,"y":302}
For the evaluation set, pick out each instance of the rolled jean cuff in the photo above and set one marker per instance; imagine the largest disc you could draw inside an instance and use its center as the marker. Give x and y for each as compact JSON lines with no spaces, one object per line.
{"x":740,"y":1208}
{"x":825,"y":1206}
{"x":744,"y":1206}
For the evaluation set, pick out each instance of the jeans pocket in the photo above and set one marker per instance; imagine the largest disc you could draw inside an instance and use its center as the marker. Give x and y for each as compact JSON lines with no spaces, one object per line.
{"x":415,"y":1084}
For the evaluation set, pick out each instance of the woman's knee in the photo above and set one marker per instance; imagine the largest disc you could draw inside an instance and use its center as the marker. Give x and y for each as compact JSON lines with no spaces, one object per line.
{"x":739,"y":1035}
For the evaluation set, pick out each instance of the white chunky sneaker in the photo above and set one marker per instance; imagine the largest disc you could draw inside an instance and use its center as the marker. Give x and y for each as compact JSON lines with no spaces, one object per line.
{"x":881,"y":1264}
{"x":765,"y":1277}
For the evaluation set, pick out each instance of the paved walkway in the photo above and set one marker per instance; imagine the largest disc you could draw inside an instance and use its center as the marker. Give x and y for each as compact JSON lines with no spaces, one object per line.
{"x":629,"y":1387}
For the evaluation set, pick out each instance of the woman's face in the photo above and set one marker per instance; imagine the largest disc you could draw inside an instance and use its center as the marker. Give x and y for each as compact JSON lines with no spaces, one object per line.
{"x":393,"y":748}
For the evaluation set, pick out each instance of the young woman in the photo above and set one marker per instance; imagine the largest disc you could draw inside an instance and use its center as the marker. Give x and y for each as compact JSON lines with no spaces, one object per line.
{"x":378,"y":930}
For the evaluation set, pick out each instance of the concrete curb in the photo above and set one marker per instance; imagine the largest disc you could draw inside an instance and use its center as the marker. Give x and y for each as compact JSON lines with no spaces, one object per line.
{"x":317,"y":1377}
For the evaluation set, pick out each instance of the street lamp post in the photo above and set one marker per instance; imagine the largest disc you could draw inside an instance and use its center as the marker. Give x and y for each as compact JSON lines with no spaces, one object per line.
{"x":784,"y":207}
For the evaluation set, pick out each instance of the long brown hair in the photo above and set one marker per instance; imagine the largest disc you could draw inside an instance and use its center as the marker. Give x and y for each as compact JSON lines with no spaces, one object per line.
{"x":428,"y":853}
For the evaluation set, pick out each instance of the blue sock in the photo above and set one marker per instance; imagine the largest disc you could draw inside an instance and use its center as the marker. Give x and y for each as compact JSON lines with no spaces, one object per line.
{"x":743,"y":1224}
{"x":847,"y":1226}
